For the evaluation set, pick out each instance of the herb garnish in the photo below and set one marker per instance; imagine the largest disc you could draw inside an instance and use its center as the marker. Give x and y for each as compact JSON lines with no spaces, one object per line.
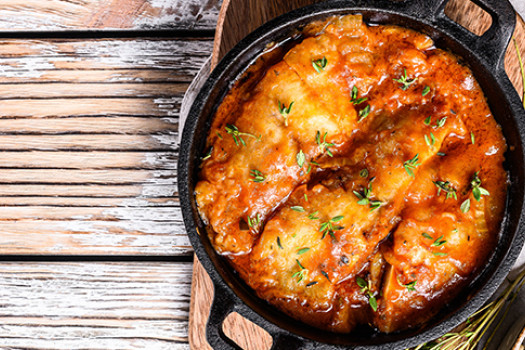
{"x":405,"y":81}
{"x":477,"y":190}
{"x":411,"y":164}
{"x":465,"y":206}
{"x":324,"y":145}
{"x":313,"y":216}
{"x":365,"y":288}
{"x":328,"y":227}
{"x":311,"y":284}
{"x":302,"y":251}
{"x":326,"y":275}
{"x":426,"y":235}
{"x":439,"y":242}
{"x":440,"y":122}
{"x":364,"y":198}
{"x":285,"y":111}
{"x":430,"y":141}
{"x":237,"y":135}
{"x":279,"y":242}
{"x":256,"y":221}
{"x":301,"y":158}
{"x":363,"y":113}
{"x":299,"y":274}
{"x":257,"y":176}
{"x":320,"y":64}
{"x":439,"y":254}
{"x":354,"y":98}
{"x":426,"y":90}
{"x":427,"y":120}
{"x":411,"y":287}
{"x":298,"y":208}
{"x":208,"y":154}
{"x":447,"y":188}
{"x":472,"y":138}
{"x":364,"y":173}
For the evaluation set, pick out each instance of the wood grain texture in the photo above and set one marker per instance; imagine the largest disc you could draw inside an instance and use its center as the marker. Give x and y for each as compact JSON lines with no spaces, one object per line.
{"x":232,"y":27}
{"x":135,"y":305}
{"x":55,"y":15}
{"x":88,"y":144}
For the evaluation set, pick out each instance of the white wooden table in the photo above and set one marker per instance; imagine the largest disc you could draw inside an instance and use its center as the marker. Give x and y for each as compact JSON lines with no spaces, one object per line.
{"x":93,"y":245}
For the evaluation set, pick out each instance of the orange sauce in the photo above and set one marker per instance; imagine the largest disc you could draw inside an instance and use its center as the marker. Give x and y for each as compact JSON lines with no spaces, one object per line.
{"x":357,"y":180}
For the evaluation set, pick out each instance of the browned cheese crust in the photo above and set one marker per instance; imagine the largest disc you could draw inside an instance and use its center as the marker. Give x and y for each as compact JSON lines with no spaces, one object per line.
{"x":359,"y":181}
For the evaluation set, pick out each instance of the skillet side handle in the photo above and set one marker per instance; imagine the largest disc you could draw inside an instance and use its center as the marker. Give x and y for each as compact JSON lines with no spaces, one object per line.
{"x":492,"y":45}
{"x":221,"y":307}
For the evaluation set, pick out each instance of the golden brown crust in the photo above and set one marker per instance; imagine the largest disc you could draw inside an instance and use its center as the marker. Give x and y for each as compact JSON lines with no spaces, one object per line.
{"x":343,"y":212}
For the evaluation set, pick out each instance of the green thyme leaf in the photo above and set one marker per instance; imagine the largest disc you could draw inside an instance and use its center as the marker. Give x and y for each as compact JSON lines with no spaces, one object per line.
{"x":319,"y":64}
{"x":439,"y":254}
{"x":472,"y":138}
{"x":363,"y":173}
{"x":411,"y":164}
{"x":363,"y":113}
{"x":301,"y":158}
{"x":446,"y":187}
{"x":302,"y":251}
{"x":285,"y":111}
{"x":441,"y":122}
{"x":439,"y":242}
{"x":298,"y":208}
{"x":237,"y":135}
{"x":426,"y":235}
{"x":279,"y":242}
{"x":427,"y":120}
{"x":372,"y":301}
{"x":354,"y":98}
{"x":405,"y":81}
{"x":426,"y":90}
{"x":323,"y":144}
{"x":361,"y":283}
{"x":465,"y":206}
{"x":313,"y":216}
{"x":257,"y":176}
{"x":326,"y":275}
{"x":411,"y":287}
{"x":441,"y":154}
{"x":208,"y":154}
{"x":311,"y":284}
{"x":477,"y":190}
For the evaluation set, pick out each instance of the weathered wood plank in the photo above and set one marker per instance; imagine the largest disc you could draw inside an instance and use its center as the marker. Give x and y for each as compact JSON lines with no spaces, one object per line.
{"x":96,"y":305}
{"x":145,"y":190}
{"x":91,"y":142}
{"x":88,"y":160}
{"x":87,"y":202}
{"x":53,"y":15}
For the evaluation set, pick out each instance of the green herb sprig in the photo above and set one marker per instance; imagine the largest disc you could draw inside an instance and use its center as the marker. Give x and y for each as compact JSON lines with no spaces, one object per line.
{"x":285,"y":111}
{"x":328,"y":227}
{"x":354,"y":97}
{"x":299,"y":274}
{"x":257,"y":176}
{"x":411,"y":164}
{"x":364,"y":198}
{"x":237,"y":135}
{"x":405,"y":81}
{"x":319,"y":64}
{"x":365,"y":288}
{"x":411,"y":287}
{"x":325,"y":146}
{"x":446,"y":187}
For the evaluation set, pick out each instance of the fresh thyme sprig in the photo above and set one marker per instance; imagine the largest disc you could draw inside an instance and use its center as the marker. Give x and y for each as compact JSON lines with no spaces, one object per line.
{"x":319,"y":64}
{"x":405,"y":81}
{"x":255,"y":222}
{"x":237,"y":135}
{"x":257,"y":176}
{"x":328,"y":227}
{"x":323,"y":144}
{"x":285,"y":111}
{"x":446,"y":187}
{"x":478,"y":324}
{"x":364,"y":198}
{"x":354,"y":99}
{"x":299,"y":274}
{"x":365,"y":288}
{"x":411,"y":164}
{"x":477,"y":192}
{"x":411,"y":287}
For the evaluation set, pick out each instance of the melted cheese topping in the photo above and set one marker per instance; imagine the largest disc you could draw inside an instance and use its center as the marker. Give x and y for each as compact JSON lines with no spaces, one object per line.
{"x":341,"y":212}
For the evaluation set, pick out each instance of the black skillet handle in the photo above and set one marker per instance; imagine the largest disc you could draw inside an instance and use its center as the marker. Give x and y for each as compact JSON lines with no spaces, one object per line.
{"x":492,"y":45}
{"x":224,"y":302}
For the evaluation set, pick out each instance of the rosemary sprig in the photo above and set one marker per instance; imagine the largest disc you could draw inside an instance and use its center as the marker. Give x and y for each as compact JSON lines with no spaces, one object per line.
{"x":411,"y":164}
{"x":365,"y":288}
{"x":319,"y":64}
{"x":237,"y":135}
{"x":323,"y":144}
{"x":478,"y":324}
{"x":285,"y":111}
{"x":405,"y":81}
{"x":328,"y":227}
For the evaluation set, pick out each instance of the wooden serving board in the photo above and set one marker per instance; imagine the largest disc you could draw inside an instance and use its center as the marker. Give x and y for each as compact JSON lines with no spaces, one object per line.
{"x":237,"y":19}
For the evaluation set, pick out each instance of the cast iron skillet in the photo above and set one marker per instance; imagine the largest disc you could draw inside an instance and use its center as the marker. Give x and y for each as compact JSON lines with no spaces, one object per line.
{"x":483,"y":54}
